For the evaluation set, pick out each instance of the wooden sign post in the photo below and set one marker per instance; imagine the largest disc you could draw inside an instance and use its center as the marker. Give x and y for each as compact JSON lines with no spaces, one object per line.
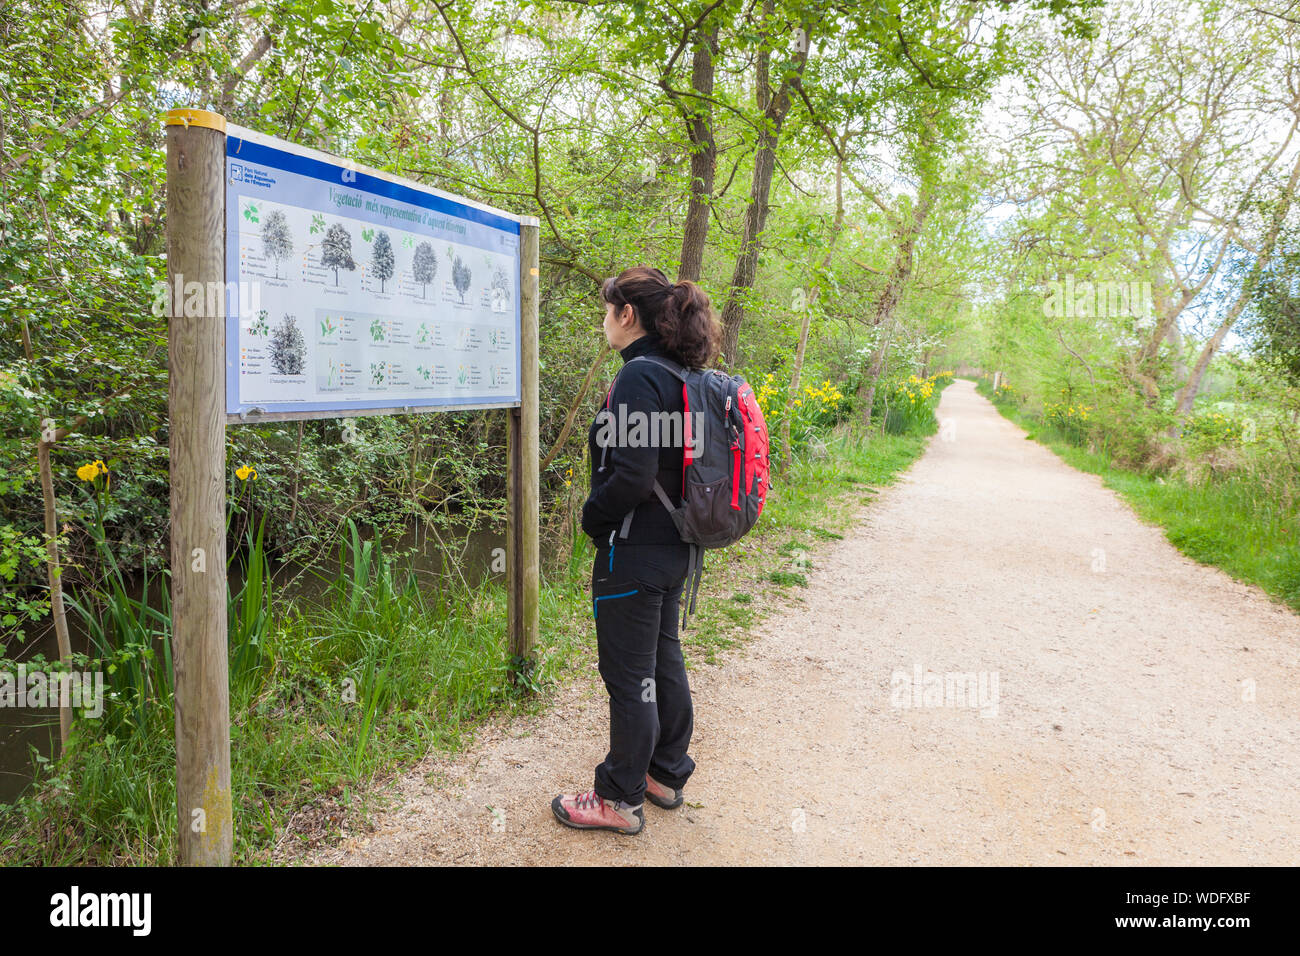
{"x":523,"y":573}
{"x":205,"y":161}
{"x":196,"y":267}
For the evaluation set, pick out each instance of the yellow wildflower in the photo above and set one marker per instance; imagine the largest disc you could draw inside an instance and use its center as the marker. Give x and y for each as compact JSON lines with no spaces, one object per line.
{"x":244,"y":473}
{"x":88,"y":472}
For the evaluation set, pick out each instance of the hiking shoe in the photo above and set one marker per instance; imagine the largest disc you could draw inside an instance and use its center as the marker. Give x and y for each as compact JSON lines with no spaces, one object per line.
{"x":590,"y":811}
{"x":661,"y":796}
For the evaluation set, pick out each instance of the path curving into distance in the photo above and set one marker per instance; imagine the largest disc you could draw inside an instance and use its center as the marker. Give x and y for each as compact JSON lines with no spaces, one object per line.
{"x":1121,"y":733}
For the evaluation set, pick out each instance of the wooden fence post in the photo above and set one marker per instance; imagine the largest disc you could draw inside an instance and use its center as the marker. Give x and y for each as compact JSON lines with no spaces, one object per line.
{"x":523,"y":567}
{"x":196,"y":257}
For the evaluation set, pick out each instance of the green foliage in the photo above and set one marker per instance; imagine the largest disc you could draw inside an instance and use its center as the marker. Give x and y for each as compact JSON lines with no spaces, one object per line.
{"x":1210,"y":430}
{"x":817,"y":408}
{"x":19,"y":553}
{"x":1069,"y":419}
{"x":907,"y":407}
{"x":1273,"y":325}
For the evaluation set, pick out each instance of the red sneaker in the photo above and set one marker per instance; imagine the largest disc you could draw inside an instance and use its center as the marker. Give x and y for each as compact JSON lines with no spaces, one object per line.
{"x":661,"y":796}
{"x":590,"y":811}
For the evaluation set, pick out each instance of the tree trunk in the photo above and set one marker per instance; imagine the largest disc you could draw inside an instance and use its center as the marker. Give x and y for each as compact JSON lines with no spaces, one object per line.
{"x":877,"y":368}
{"x":1175,"y":339}
{"x":775,"y":108}
{"x":1143,"y":366}
{"x":813,"y":294}
{"x":54,"y":572}
{"x":704,"y":156}
{"x":892,"y":294}
{"x":1187,"y":394}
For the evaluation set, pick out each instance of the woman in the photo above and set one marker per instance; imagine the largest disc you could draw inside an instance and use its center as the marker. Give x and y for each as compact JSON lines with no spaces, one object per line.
{"x":641,"y":561}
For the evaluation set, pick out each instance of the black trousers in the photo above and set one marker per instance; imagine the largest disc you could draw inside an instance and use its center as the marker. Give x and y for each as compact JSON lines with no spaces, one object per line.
{"x":636,"y":589}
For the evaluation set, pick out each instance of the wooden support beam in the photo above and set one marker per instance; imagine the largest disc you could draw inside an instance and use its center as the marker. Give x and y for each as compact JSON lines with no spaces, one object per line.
{"x":523,"y":561}
{"x":196,"y":252}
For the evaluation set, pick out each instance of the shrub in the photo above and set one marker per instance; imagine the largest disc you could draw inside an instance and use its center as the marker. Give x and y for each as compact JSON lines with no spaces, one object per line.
{"x":1072,"y":421}
{"x":1211,"y":430}
{"x":907,"y":407}
{"x":816,"y":409}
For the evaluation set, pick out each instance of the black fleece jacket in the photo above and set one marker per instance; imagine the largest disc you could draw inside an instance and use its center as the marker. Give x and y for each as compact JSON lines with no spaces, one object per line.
{"x":627,"y":480}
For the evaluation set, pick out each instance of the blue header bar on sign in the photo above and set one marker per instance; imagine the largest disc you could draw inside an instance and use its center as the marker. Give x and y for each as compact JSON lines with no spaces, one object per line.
{"x":254,"y":152}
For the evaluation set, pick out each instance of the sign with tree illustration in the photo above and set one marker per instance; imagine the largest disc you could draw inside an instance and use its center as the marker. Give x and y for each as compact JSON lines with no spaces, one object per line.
{"x":352,"y":291}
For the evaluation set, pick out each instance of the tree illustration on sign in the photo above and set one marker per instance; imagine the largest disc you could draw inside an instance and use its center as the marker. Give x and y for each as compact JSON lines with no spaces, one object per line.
{"x":288,"y":350}
{"x":336,"y":250}
{"x":277,"y":241}
{"x":381,"y":259}
{"x":460,"y":274}
{"x":424,"y":266}
{"x":501,"y":292}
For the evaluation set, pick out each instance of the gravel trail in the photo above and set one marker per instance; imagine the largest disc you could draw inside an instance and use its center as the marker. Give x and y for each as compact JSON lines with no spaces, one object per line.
{"x":1117,"y":726}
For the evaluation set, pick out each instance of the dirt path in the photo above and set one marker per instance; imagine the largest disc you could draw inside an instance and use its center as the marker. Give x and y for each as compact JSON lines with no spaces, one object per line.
{"x":1120,"y":736}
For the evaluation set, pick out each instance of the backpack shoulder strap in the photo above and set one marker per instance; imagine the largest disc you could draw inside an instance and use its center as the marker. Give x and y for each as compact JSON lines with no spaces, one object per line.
{"x":672,"y":366}
{"x":662,"y":496}
{"x":680,"y":372}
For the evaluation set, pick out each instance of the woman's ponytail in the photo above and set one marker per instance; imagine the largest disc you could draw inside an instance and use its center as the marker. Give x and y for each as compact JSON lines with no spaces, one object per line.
{"x":687,"y":325}
{"x":680,"y":313}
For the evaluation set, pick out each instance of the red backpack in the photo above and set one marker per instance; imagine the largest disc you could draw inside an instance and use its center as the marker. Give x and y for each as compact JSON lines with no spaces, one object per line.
{"x":726,"y":471}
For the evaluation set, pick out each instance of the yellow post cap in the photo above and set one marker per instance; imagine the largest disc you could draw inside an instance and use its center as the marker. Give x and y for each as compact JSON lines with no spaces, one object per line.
{"x":186,"y":116}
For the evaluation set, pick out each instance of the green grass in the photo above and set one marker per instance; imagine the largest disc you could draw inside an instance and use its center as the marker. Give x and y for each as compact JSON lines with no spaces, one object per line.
{"x":344,"y":693}
{"x":787,"y":578}
{"x":1232,"y":524}
{"x":350,"y":690}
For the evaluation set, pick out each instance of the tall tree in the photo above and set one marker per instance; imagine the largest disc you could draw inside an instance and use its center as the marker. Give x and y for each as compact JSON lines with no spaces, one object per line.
{"x":774,"y":106}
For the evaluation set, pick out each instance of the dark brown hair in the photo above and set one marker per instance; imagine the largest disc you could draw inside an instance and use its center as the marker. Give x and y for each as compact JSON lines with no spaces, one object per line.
{"x":680,"y":313}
